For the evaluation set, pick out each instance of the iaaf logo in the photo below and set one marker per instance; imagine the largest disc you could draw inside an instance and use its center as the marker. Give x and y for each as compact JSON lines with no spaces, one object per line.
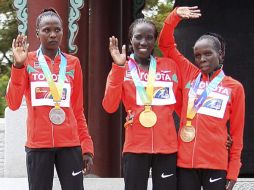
{"x":41,"y":77}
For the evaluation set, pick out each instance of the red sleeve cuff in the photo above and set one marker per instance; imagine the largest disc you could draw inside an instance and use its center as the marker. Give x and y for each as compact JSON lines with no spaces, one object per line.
{"x":17,"y":75}
{"x":173,"y":17}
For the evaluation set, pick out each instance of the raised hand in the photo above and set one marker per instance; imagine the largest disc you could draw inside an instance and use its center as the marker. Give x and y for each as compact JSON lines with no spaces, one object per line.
{"x":188,"y":12}
{"x":118,"y":57}
{"x":20,"y":50}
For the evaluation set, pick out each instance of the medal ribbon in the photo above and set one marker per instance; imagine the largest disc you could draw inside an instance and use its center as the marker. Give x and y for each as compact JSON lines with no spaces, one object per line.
{"x":55,"y":89}
{"x":145,"y":95}
{"x":193,"y":106}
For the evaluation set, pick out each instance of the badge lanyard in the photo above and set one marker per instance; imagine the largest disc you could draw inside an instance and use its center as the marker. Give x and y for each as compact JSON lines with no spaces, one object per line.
{"x":55,"y":89}
{"x":188,"y":132}
{"x":145,"y":95}
{"x":147,"y":117}
{"x":193,"y":106}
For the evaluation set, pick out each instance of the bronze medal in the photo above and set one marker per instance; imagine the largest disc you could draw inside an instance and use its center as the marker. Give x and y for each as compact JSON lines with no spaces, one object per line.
{"x":147,"y":117}
{"x":187,"y":133}
{"x":57,"y":116}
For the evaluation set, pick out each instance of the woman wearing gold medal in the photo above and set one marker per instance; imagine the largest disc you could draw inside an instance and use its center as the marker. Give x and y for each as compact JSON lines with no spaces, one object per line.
{"x":210,"y":100}
{"x":146,"y":85}
{"x":57,"y":133}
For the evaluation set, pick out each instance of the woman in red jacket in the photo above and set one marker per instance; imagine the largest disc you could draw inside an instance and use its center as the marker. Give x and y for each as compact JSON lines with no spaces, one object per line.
{"x":146,"y":85}
{"x":210,"y":100}
{"x":52,"y":83}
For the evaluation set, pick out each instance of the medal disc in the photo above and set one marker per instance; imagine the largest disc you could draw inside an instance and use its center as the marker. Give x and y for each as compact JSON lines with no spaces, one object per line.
{"x":187,"y":133}
{"x":147,"y":117}
{"x":57,"y":116}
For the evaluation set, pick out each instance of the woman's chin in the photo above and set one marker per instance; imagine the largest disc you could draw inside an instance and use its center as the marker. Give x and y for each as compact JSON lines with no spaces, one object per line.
{"x":205,"y":70}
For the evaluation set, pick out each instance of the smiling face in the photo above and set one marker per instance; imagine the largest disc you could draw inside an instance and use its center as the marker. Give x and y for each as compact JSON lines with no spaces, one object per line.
{"x":143,"y":39}
{"x":50,"y":32}
{"x":207,"y":57}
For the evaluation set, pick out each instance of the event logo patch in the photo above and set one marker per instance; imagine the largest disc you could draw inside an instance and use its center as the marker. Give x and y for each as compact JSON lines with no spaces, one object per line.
{"x":214,"y":104}
{"x":162,"y":93}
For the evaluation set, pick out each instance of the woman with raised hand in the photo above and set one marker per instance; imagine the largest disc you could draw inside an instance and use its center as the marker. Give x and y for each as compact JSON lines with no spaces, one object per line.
{"x":146,"y":85}
{"x":52,"y":83}
{"x":211,"y":99}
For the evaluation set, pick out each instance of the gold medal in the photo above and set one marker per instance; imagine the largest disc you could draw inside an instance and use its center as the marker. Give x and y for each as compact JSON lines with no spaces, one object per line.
{"x":57,"y":116}
{"x":187,"y":133}
{"x":147,"y":117}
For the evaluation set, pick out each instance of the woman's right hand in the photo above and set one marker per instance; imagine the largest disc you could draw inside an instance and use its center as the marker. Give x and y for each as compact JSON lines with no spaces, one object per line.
{"x":118,"y":57}
{"x":188,"y":12}
{"x":20,"y":50}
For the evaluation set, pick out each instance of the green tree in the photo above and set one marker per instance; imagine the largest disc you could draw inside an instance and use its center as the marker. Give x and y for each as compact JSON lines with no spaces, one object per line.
{"x":157,"y":11}
{"x":8,"y":31}
{"x":3,"y":84}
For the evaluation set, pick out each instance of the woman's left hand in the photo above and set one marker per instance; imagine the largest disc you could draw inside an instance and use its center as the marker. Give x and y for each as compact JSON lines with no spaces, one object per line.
{"x":188,"y":12}
{"x":88,"y":163}
{"x":229,"y":142}
{"x":230,"y":184}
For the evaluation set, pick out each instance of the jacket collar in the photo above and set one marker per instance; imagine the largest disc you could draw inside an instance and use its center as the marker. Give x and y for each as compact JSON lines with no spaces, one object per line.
{"x":212,"y":75}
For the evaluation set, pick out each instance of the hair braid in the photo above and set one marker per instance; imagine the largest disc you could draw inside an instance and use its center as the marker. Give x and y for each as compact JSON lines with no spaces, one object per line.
{"x":47,"y":12}
{"x":218,"y":42}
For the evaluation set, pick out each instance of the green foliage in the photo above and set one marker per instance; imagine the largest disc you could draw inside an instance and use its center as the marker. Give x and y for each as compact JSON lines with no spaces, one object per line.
{"x":6,"y":6}
{"x":157,"y":11}
{"x":4,"y":78}
{"x":8,"y":31}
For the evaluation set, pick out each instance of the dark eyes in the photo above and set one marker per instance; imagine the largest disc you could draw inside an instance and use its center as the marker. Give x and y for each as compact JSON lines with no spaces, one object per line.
{"x":150,"y":37}
{"x":47,"y":30}
{"x":197,"y":56}
{"x":207,"y":54}
{"x":140,"y":37}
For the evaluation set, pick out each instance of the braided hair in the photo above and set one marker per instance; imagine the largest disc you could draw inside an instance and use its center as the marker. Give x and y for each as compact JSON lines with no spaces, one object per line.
{"x":141,"y":21}
{"x":47,"y":12}
{"x":218,"y":42}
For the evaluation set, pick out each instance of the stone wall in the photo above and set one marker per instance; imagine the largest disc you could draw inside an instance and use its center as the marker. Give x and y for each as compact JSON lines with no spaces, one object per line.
{"x":15,"y":137}
{"x":2,"y":124}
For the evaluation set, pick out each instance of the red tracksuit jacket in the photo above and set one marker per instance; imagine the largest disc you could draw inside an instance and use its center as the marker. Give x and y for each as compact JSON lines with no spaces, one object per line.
{"x":31,"y":82}
{"x":162,"y":137}
{"x":208,"y":149}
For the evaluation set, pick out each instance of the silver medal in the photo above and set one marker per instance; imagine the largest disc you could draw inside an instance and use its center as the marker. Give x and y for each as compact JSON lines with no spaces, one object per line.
{"x":57,"y":116}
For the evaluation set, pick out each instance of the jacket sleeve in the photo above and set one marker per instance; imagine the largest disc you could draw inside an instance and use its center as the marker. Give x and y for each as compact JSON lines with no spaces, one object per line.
{"x":113,"y":91}
{"x":78,"y":109}
{"x":236,"y":131}
{"x":16,"y":88}
{"x":168,"y":46}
